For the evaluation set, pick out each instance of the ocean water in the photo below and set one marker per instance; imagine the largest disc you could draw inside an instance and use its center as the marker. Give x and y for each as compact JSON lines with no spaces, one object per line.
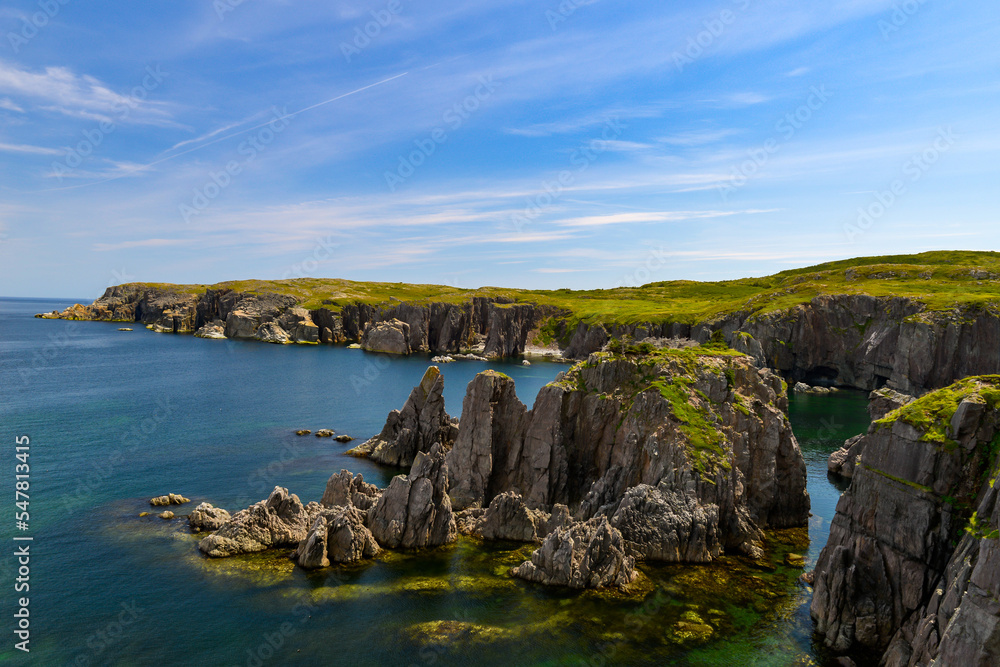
{"x":115,"y":418}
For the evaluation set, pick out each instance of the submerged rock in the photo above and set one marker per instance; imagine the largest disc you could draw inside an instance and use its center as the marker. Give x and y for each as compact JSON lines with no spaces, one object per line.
{"x":336,"y":536}
{"x":206,"y":518}
{"x":169,"y":499}
{"x":166,"y":515}
{"x":415,"y":511}
{"x":303,"y":431}
{"x":279,"y":521}
{"x":585,"y":555}
{"x":420,"y":425}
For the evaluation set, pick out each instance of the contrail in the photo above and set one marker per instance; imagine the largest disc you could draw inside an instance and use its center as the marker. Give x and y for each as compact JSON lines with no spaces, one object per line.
{"x":228,"y":136}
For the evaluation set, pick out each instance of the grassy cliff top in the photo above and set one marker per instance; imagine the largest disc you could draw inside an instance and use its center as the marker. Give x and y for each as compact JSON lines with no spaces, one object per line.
{"x":941,"y":280}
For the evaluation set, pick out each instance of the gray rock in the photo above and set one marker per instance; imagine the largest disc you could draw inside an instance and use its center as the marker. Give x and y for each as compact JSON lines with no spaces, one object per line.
{"x":662,"y":524}
{"x":415,"y":511}
{"x":390,"y":337}
{"x":336,"y":536}
{"x":880,"y":403}
{"x":508,"y":518}
{"x":206,"y":518}
{"x":345,"y":488}
{"x":421,"y":424}
{"x":271,"y":332}
{"x":299,"y":325}
{"x":585,"y":555}
{"x":212,"y":330}
{"x":279,"y":521}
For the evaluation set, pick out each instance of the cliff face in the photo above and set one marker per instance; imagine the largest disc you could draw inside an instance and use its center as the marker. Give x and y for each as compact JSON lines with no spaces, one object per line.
{"x":853,"y":340}
{"x":701,"y":436}
{"x":912,"y":567}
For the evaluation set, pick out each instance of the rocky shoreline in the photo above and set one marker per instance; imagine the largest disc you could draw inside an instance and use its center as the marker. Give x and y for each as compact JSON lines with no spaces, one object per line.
{"x":848,"y":340}
{"x":673,"y":456}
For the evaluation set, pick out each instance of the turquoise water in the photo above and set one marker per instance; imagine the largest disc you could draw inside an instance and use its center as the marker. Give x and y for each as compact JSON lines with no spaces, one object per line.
{"x":116,"y":418}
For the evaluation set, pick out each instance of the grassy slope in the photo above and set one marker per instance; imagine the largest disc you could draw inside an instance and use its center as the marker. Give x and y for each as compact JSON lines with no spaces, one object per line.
{"x":942,"y":280}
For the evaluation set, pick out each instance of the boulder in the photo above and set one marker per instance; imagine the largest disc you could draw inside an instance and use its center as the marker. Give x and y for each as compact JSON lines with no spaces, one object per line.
{"x":337,"y":535}
{"x":508,"y":518}
{"x":420,"y":425}
{"x":324,"y":433}
{"x":166,"y":515}
{"x":279,"y":521}
{"x":590,"y":554}
{"x":169,"y":499}
{"x":391,"y":337}
{"x":415,"y":511}
{"x":303,"y":431}
{"x":213,"y":330}
{"x":345,"y":488}
{"x":206,"y":518}
{"x":299,"y":325}
{"x":343,"y":438}
{"x":271,"y":332}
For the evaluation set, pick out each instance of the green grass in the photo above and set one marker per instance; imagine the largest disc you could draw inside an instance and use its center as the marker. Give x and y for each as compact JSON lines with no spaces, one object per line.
{"x":942,"y":281}
{"x":932,"y":413}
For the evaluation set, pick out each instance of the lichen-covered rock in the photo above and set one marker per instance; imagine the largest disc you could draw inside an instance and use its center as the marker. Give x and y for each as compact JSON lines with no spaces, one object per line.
{"x":206,"y":518}
{"x":415,"y":511}
{"x":390,"y":337}
{"x":891,"y":577}
{"x":585,"y":555}
{"x":279,"y":521}
{"x":706,"y":428}
{"x":421,"y":424}
{"x":345,"y":488}
{"x":338,"y":535}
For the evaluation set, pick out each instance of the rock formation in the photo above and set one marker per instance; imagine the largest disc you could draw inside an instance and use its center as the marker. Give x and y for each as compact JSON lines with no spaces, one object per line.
{"x":206,"y":518}
{"x":421,"y":424}
{"x":169,"y":499}
{"x":338,"y":535}
{"x":911,"y":566}
{"x":279,"y":521}
{"x":508,"y":518}
{"x":345,"y":488}
{"x":705,"y":431}
{"x":415,"y":511}
{"x":584,"y":555}
{"x":390,"y":337}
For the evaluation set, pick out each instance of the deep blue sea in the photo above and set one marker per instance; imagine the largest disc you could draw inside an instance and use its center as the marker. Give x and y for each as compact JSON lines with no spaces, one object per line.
{"x":115,"y":418}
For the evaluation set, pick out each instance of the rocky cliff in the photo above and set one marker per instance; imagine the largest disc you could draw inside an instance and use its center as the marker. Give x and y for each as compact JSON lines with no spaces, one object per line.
{"x":911,"y":571}
{"x":846,"y":339}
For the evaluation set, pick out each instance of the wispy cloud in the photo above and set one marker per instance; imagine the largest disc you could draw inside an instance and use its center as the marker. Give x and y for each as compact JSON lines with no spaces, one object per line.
{"x":33,"y":150}
{"x":143,"y":243}
{"x":6,"y":103}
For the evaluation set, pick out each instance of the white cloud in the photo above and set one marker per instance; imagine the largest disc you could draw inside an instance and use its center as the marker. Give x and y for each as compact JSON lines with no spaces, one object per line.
{"x":6,"y":103}
{"x":33,"y":150}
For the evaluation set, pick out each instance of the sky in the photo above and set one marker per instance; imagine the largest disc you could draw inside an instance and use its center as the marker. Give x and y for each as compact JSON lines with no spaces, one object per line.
{"x":516,"y":143}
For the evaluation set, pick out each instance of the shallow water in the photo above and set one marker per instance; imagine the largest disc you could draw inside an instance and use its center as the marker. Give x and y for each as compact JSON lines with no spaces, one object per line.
{"x":117,"y":417}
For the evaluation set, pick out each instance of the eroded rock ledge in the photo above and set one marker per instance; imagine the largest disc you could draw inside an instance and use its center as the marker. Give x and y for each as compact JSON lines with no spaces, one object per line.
{"x":912,"y":567}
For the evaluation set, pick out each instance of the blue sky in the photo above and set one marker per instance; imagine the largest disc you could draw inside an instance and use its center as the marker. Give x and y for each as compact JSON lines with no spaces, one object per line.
{"x":517,"y":143}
